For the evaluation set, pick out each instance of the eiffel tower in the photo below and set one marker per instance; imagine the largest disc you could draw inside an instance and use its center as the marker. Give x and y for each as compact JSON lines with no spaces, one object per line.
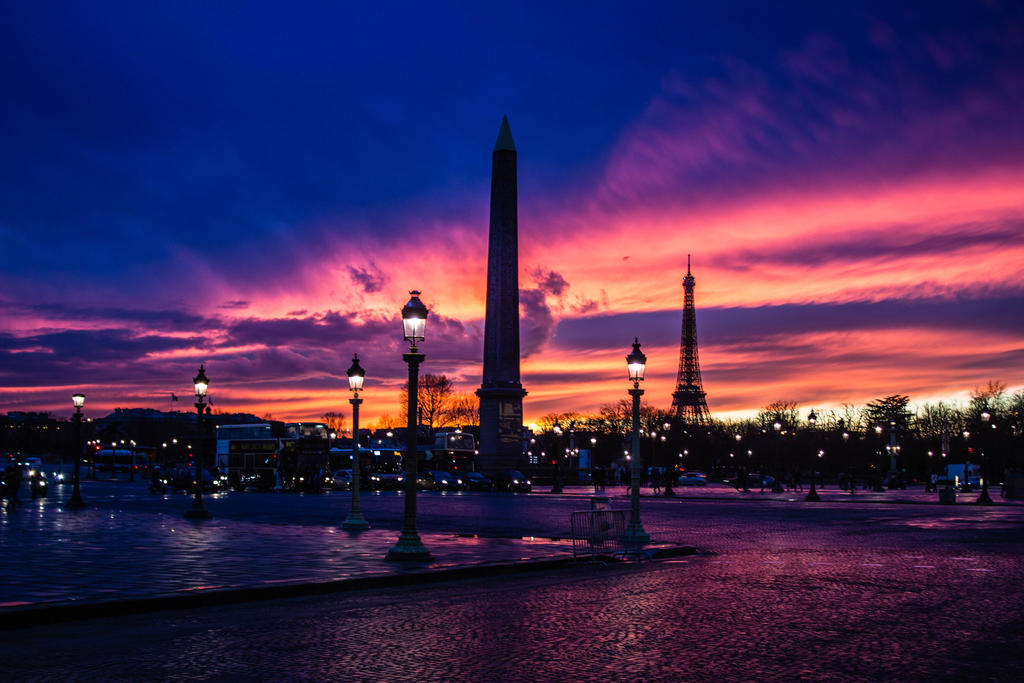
{"x":689,"y":405}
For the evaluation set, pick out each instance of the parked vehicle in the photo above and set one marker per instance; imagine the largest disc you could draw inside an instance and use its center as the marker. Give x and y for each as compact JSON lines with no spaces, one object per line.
{"x":436,"y":480}
{"x":385,"y":481}
{"x":342,"y":480}
{"x":693,"y":478}
{"x":475,"y":481}
{"x":512,"y":480}
{"x":182,"y":478}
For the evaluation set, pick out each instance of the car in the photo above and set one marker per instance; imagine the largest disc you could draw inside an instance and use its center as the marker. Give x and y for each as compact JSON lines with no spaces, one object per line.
{"x":511,"y":480}
{"x":182,"y":478}
{"x":342,"y":480}
{"x":477,"y":482}
{"x":385,"y":481}
{"x":436,"y":480}
{"x":692,"y":478}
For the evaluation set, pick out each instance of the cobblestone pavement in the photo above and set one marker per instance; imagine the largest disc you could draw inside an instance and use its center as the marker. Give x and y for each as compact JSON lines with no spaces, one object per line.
{"x":779,"y":593}
{"x":130,"y":544}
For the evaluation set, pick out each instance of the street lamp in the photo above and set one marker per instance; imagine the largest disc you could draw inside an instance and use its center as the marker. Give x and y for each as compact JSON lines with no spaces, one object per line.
{"x":636,"y":537}
{"x":355,"y":520}
{"x":984,"y":498}
{"x":670,"y":470}
{"x":812,"y":494}
{"x":556,"y":451}
{"x":131,"y":469}
{"x":967,"y":462}
{"x":76,"y":501}
{"x":852,"y":480}
{"x":198,"y":511}
{"x":409,"y":545}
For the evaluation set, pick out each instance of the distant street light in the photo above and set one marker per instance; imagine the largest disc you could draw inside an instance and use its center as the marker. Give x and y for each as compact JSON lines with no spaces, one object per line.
{"x":984,"y":498}
{"x":556,"y":486}
{"x":409,"y":545}
{"x":812,"y":494}
{"x":198,"y":511}
{"x":355,"y":520}
{"x":76,"y":501}
{"x":636,"y":537}
{"x":131,"y":468}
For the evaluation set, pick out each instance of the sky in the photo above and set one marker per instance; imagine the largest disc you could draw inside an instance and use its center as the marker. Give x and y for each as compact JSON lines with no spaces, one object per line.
{"x":257,"y":186}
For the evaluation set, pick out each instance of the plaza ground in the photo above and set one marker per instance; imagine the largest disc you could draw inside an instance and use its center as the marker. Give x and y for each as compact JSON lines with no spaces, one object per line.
{"x":780,"y":590}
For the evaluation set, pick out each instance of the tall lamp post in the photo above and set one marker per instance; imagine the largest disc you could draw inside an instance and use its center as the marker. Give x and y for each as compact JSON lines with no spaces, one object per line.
{"x":636,"y":537}
{"x":198,"y":511}
{"x":355,"y":520}
{"x":409,"y":545}
{"x":812,"y":494}
{"x":76,"y":501}
{"x":984,"y":498}
{"x":670,"y":467}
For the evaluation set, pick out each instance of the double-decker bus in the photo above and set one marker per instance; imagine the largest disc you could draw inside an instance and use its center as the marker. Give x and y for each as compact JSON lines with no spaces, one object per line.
{"x":269,"y":455}
{"x":453,"y":452}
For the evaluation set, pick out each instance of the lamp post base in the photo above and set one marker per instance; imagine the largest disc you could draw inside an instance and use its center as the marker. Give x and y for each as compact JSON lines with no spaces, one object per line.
{"x":984,"y":498}
{"x":635,"y":536}
{"x":76,"y":503}
{"x":409,"y":549}
{"x":355,"y":522}
{"x":669,"y":492}
{"x":812,"y":495}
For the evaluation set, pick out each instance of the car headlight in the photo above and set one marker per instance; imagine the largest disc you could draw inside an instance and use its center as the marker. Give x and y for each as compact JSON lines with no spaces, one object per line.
{"x":515,"y":481}
{"x":458,"y":481}
{"x":528,"y":482}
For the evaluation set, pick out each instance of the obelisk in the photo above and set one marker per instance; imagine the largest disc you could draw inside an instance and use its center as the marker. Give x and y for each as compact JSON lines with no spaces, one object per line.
{"x":501,"y":393}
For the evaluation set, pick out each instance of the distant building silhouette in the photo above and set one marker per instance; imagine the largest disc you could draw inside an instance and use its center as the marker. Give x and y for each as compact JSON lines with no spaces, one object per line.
{"x":689,"y":403}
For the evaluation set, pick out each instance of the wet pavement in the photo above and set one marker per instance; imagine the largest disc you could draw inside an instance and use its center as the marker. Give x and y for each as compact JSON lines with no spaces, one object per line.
{"x":780,"y":590}
{"x":131,"y":544}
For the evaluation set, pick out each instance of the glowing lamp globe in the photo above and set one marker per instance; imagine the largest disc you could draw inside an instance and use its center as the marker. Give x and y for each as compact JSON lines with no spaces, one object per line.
{"x":355,"y":375}
{"x":414,"y":319}
{"x":636,"y":361}
{"x":202,"y":382}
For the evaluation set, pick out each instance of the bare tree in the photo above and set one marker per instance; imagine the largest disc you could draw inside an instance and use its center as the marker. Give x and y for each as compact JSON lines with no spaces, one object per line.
{"x":991,"y":397}
{"x":335,"y":422}
{"x":933,"y":420}
{"x":385,"y":421}
{"x":434,"y":398}
{"x":464,"y":410}
{"x":783,"y":412}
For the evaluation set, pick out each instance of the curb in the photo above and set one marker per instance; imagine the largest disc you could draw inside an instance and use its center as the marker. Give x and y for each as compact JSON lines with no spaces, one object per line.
{"x":35,"y":615}
{"x":850,"y":499}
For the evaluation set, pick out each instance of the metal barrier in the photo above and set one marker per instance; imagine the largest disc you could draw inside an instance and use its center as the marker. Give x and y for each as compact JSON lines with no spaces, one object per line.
{"x":598,"y":532}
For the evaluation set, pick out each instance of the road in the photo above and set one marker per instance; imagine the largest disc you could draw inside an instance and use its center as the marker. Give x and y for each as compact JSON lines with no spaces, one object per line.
{"x":779,"y":591}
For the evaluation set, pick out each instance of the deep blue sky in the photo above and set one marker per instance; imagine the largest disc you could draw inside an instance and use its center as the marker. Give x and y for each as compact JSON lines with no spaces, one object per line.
{"x":174,"y":173}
